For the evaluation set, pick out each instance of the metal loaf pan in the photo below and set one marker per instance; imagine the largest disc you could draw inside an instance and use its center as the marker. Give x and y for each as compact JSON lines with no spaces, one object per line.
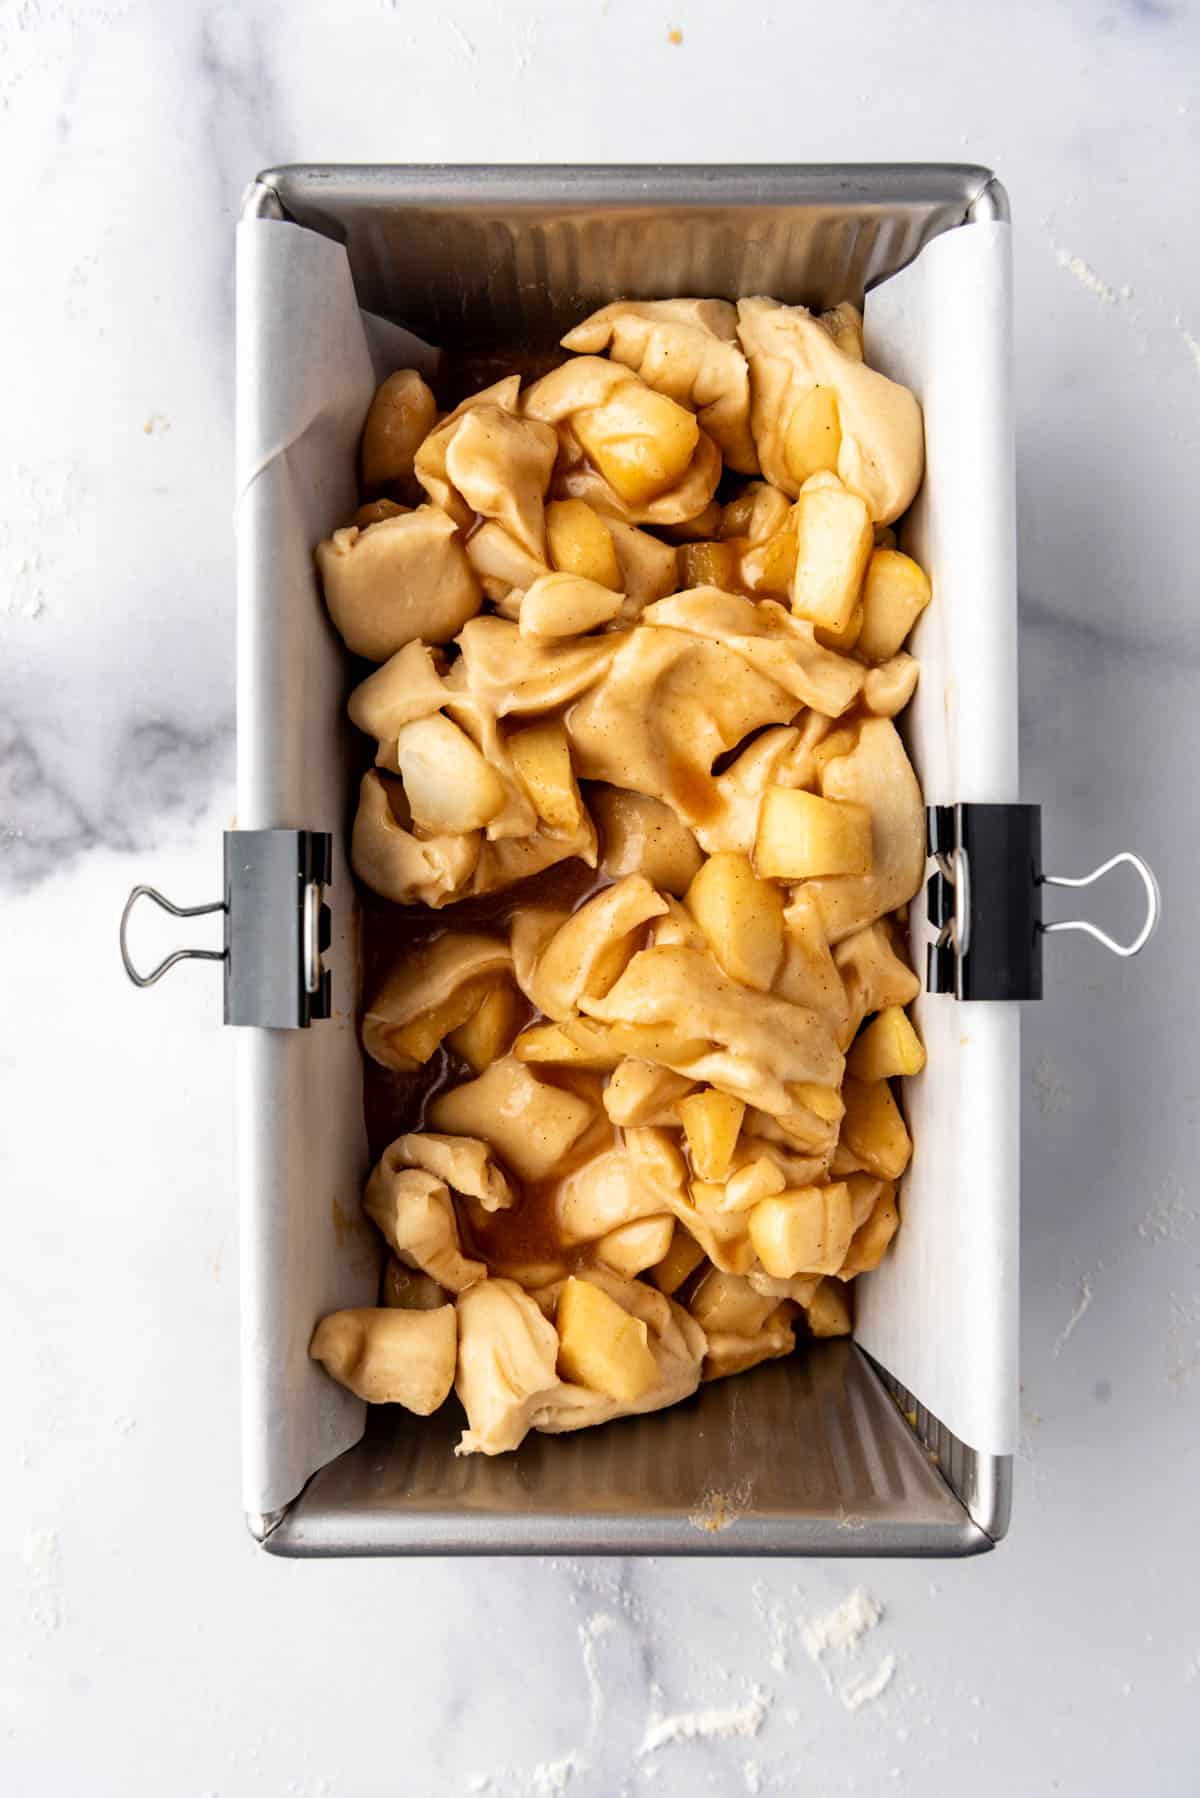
{"x":826,"y":1453}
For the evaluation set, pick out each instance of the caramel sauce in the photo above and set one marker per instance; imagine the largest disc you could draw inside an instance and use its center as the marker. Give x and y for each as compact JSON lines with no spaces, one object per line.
{"x":528,"y":1234}
{"x":691,"y":789}
{"x":460,"y":373}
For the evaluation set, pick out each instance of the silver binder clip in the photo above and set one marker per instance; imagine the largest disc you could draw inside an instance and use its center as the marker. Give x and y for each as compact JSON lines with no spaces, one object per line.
{"x":277,"y":928}
{"x":984,"y":901}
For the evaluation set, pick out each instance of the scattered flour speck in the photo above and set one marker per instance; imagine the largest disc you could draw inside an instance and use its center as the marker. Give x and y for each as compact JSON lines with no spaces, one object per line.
{"x":1081,"y":1305}
{"x":604,"y":1583}
{"x":869,"y":1686}
{"x":1184,"y":1338}
{"x":462,"y":37}
{"x":1087,"y":277}
{"x":550,"y":1778}
{"x":773,"y":1617}
{"x":1192,"y":344}
{"x":1168,"y":1214}
{"x":600,"y":1623}
{"x":686,"y":1726}
{"x":43,"y":1558}
{"x":844,"y":1627}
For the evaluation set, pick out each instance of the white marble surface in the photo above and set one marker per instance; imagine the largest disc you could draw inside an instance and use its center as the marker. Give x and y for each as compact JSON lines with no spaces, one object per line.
{"x":147,"y":1647}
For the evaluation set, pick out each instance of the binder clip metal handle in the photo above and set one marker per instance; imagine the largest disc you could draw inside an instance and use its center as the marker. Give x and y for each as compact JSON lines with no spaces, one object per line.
{"x":1153,"y":903}
{"x":176,"y":911}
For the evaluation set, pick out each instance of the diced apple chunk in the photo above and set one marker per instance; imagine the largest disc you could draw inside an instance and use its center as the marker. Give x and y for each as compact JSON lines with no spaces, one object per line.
{"x":825,"y":1101}
{"x":589,"y":952}
{"x":758,"y":512}
{"x":709,"y":565}
{"x":888,"y":1046}
{"x":550,"y":1043}
{"x":730,"y":1353}
{"x":833,"y":544}
{"x":814,"y":435}
{"x":844,"y":640}
{"x":679,"y":1263}
{"x":641,"y":835}
{"x":768,"y":567}
{"x":759,"y":1179}
{"x":580,"y":542}
{"x":873,"y":1130}
{"x":566,"y":605}
{"x":642,"y":1093}
{"x":407,"y":1289}
{"x":377,"y":509}
{"x":728,"y":1302}
{"x":894,"y":594}
{"x":666,"y":1043}
{"x":601,"y":1346}
{"x":640,"y":441}
{"x":423,"y":1034}
{"x":804,"y":1230}
{"x":707,"y":1195}
{"x":741,"y":916}
{"x":596,"y":1040}
{"x":870,"y":1241}
{"x":705,"y":527}
{"x":802,"y":836}
{"x":541,"y":754}
{"x":631,"y":1248}
{"x":873,"y":974}
{"x":711,"y":1122}
{"x":449,"y":785}
{"x":488,"y":1034}
{"x":828,"y":1311}
{"x":864,"y":1190}
{"x":832,"y":747}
